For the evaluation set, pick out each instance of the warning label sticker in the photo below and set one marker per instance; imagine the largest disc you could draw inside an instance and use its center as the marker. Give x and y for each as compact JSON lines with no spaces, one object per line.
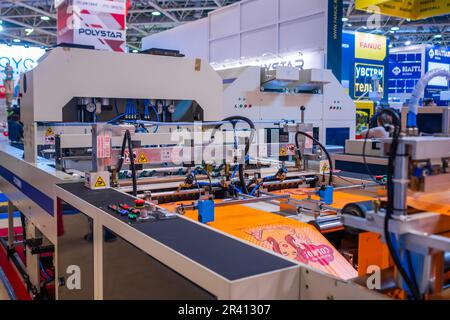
{"x":142,"y":158}
{"x":100,"y":183}
{"x":49,"y":132}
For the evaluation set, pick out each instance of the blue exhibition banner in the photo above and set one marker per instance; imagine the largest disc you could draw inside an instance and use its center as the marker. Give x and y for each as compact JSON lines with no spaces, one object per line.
{"x":405,"y":69}
{"x":364,"y":58}
{"x":437,"y":57}
{"x":334,"y":54}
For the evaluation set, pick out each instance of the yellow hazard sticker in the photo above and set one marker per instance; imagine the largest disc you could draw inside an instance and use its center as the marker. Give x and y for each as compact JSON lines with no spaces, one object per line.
{"x":49,"y":132}
{"x":142,"y":158}
{"x":283,"y":152}
{"x":324,"y":166}
{"x":100,"y":183}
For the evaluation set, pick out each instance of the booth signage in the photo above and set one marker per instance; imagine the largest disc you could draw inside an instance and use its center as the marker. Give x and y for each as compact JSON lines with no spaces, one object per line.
{"x":364,"y":75}
{"x":20,"y":58}
{"x":370,"y":46}
{"x":100,"y":23}
{"x":406,"y":70}
{"x":437,"y":57}
{"x":408,"y":9}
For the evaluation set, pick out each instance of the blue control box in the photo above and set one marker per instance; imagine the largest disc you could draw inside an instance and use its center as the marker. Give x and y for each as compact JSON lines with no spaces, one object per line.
{"x":205,"y":211}
{"x":326,"y":195}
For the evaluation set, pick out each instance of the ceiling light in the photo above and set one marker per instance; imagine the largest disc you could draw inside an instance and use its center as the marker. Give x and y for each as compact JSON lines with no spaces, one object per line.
{"x":437,"y":36}
{"x":29,"y":31}
{"x":45,"y":18}
{"x":395,"y":28}
{"x":364,"y":27}
{"x":349,"y":25}
{"x":1,"y":28}
{"x":344,"y":19}
{"x":16,"y":40}
{"x":156,"y":13}
{"x":408,"y":43}
{"x":391,"y":45}
{"x":135,"y":51}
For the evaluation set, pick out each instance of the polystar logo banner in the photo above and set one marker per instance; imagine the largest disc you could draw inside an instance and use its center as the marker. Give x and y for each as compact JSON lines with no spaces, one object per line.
{"x":98,"y":23}
{"x":370,"y":46}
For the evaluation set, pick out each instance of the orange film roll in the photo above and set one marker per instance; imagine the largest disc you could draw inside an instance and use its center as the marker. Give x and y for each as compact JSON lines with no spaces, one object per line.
{"x":290,"y":238}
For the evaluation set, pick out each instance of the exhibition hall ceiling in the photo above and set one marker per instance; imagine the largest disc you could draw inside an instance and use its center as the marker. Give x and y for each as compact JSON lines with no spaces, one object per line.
{"x":33,"y":22}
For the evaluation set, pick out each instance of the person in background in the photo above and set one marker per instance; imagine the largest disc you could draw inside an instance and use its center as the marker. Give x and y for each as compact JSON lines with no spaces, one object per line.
{"x":377,"y":125}
{"x":373,"y":122}
{"x":429,"y":102}
{"x":9,"y":84}
{"x":15,"y":129}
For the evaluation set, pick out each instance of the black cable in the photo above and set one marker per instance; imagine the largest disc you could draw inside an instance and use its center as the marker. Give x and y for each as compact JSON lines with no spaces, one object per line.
{"x":242,"y":178}
{"x":209,"y":179}
{"x":127,"y":138}
{"x":369,"y":172}
{"x":132,"y":164}
{"x":330,"y":179}
{"x":198,"y":186}
{"x":349,"y":181}
{"x":233,"y":120}
{"x":390,"y":207}
{"x":122,"y":153}
{"x":411,"y":271}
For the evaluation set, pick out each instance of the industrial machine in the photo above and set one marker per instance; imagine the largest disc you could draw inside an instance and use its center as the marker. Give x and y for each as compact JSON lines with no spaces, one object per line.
{"x":414,"y":222}
{"x":172,"y":179}
{"x":363,"y":153}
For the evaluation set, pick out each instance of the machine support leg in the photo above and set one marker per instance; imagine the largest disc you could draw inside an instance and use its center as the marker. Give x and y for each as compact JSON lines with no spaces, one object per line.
{"x":401,"y":181}
{"x":10,"y":226}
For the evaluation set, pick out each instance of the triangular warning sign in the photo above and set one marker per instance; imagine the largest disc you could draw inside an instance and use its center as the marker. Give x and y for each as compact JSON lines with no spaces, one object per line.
{"x":49,"y":131}
{"x":142,"y":158}
{"x":100,"y":183}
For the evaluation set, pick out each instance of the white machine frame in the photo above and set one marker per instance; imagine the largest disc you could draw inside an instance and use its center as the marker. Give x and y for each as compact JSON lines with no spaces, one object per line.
{"x":64,"y":74}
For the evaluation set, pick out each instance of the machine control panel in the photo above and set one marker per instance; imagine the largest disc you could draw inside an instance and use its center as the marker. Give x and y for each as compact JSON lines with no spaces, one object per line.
{"x":141,"y":211}
{"x":242,"y":103}
{"x":336,"y":105}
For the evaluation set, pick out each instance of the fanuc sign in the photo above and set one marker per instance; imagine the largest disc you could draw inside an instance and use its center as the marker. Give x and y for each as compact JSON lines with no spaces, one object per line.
{"x":370,"y":46}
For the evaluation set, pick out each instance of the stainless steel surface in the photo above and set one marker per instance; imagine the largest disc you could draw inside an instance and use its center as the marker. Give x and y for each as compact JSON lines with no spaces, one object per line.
{"x":75,"y":253}
{"x":10,"y":225}
{"x":426,"y":147}
{"x":400,"y":180}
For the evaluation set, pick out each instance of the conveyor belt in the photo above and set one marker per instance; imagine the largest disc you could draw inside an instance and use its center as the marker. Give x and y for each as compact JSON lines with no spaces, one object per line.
{"x":290,"y":238}
{"x":223,"y":255}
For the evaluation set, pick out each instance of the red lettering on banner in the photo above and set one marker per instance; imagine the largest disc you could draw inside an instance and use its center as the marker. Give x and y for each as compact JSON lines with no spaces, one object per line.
{"x":322,"y":254}
{"x":368,"y":45}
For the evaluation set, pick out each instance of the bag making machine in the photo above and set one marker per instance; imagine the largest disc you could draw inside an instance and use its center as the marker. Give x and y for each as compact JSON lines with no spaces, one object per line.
{"x":154,"y":177}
